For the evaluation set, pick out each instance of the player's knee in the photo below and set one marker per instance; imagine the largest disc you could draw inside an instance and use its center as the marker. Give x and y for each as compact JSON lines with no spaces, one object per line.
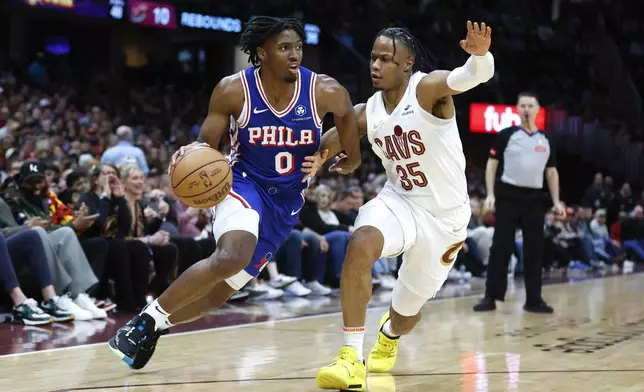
{"x":407,"y":303}
{"x":364,"y":247}
{"x":226,"y":262}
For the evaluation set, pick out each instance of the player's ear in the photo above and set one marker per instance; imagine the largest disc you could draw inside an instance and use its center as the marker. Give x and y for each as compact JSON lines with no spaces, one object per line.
{"x":261,"y":53}
{"x":409,"y":64}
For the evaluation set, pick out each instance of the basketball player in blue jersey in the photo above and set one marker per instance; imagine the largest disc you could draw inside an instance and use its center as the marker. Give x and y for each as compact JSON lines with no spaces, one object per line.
{"x":276,"y":109}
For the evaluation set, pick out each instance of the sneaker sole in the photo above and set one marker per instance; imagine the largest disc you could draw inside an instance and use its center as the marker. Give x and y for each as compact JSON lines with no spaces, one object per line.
{"x":30,"y":322}
{"x":337,"y":383}
{"x":128,"y":361}
{"x":63,"y":319}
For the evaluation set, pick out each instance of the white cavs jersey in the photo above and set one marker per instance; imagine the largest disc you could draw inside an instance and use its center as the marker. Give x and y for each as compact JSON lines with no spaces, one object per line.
{"x":422,"y":154}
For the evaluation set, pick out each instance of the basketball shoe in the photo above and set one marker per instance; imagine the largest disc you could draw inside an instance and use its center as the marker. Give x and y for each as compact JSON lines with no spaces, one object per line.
{"x":345,"y":373}
{"x":136,"y":341}
{"x":382,"y":357}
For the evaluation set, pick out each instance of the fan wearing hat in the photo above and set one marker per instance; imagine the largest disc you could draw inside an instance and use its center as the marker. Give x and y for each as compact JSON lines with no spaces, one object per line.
{"x":34,"y":205}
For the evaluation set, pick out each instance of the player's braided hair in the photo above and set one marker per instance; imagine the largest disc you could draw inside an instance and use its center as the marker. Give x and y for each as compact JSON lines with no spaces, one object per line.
{"x":404,"y":36}
{"x":259,"y":29}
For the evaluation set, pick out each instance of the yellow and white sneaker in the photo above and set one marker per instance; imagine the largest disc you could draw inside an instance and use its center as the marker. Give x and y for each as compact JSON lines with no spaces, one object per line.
{"x":345,"y":373}
{"x":382,"y":357}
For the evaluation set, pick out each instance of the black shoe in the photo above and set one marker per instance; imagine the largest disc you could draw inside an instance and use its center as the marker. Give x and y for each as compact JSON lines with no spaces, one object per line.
{"x":485,"y":305}
{"x":541,"y":307}
{"x":136,"y":341}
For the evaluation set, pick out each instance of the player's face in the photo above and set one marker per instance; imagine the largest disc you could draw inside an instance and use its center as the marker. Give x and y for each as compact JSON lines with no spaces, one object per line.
{"x":389,"y":67}
{"x":528,"y":107}
{"x":282,"y":54}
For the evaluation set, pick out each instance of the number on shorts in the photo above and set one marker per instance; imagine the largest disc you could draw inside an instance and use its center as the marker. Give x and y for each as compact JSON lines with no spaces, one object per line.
{"x":284,"y":163}
{"x":450,"y":254}
{"x":418,"y":179}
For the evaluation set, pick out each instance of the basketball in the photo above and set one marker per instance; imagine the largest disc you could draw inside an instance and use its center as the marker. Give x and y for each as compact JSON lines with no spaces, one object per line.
{"x":202,"y":178}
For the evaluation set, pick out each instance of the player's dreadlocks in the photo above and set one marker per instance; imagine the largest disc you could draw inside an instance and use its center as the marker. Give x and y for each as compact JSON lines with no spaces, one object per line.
{"x":259,"y":29}
{"x":415,"y":48}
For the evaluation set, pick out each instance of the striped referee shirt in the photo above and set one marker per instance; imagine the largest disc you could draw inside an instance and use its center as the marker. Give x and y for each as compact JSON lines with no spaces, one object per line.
{"x":523,"y":158}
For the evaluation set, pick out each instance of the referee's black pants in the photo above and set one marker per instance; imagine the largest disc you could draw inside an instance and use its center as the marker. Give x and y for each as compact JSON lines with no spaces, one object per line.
{"x":527,"y":214}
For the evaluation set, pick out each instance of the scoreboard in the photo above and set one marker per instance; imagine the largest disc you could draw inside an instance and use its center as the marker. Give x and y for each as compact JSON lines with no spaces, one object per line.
{"x":154,"y":14}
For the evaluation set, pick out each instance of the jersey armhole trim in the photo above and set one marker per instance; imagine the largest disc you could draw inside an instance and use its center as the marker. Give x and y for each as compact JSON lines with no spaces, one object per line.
{"x":243,"y":119}
{"x":314,"y":106}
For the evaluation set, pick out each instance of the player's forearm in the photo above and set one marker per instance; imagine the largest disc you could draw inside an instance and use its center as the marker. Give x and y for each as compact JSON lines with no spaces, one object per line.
{"x":349,"y":135}
{"x":490,"y":175}
{"x":552,"y":177}
{"x":331,"y":141}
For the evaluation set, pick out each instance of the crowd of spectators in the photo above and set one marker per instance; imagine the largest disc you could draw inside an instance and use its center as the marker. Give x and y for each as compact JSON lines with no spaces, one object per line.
{"x":88,"y":222}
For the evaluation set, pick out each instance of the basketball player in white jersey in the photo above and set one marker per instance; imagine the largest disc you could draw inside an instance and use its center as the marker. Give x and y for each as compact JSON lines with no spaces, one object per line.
{"x":423,"y":210}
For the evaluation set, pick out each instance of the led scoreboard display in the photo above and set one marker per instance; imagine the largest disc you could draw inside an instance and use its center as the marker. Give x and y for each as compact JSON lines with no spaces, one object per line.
{"x":154,"y":14}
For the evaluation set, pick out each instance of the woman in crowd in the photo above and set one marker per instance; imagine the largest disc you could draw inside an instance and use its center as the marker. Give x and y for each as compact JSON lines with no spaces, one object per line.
{"x":142,"y":227}
{"x":128,"y":259}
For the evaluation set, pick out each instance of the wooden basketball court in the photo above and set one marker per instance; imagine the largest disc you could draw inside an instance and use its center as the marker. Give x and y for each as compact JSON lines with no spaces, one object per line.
{"x":592,"y":343}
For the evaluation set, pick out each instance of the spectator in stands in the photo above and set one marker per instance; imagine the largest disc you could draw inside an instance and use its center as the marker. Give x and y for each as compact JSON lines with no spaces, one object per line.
{"x":28,"y":195}
{"x":594,"y":197}
{"x":604,"y":247}
{"x":125,"y":150}
{"x":26,"y":245}
{"x":128,"y":259}
{"x":318,"y":216}
{"x":632,"y":234}
{"x":347,"y":202}
{"x":624,"y":200}
{"x":164,"y":254}
{"x":27,"y":199}
{"x":77,"y":183}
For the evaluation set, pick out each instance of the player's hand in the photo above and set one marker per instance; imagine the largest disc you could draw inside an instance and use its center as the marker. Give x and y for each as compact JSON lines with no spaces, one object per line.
{"x":343,"y":166}
{"x":183,"y":150}
{"x":478,"y":39}
{"x":559,"y":210}
{"x":488,"y":204}
{"x":313,"y":163}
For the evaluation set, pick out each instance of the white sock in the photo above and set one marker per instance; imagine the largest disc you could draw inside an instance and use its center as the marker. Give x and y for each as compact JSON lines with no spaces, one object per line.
{"x":354,"y":337}
{"x":386,"y":329}
{"x":159,"y":315}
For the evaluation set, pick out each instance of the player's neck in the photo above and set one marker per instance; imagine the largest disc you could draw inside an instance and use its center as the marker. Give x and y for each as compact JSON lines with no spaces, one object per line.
{"x":529,"y":127}
{"x":392,"y":97}
{"x":275,"y":88}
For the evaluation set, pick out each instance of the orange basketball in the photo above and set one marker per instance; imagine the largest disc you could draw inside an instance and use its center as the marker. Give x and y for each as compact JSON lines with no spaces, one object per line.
{"x":202,"y":178}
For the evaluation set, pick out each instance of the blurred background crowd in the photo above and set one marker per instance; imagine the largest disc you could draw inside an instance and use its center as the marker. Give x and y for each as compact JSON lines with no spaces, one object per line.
{"x":91,"y":110}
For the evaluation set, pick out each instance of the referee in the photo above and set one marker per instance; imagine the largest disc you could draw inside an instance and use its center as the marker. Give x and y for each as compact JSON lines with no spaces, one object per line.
{"x":514,"y":180}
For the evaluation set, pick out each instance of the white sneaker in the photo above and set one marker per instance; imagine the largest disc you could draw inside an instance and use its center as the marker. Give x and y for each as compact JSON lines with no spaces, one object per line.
{"x":387,"y":282}
{"x":66,"y":303}
{"x":317,"y":288}
{"x":297,"y":289}
{"x":85,"y":302}
{"x":282,"y":281}
{"x":269,"y":292}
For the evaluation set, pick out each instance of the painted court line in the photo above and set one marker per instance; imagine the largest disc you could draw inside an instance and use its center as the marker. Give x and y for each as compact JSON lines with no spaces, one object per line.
{"x":286,"y":320}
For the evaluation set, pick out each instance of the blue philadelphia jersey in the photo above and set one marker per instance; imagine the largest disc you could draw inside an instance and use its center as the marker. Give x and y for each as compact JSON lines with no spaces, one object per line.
{"x":267,"y":151}
{"x":270,"y":145}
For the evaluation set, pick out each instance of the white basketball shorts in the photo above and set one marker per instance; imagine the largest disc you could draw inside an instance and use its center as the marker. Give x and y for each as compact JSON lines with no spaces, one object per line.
{"x":428,"y":241}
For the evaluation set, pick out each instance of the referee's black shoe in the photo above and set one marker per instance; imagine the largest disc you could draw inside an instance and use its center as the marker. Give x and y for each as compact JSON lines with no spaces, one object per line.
{"x":485,"y":305}
{"x":540,"y":307}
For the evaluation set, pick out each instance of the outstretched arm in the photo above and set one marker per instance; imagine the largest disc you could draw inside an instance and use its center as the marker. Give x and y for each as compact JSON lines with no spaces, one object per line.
{"x":331,"y":145}
{"x":333,"y":98}
{"x":479,"y":68}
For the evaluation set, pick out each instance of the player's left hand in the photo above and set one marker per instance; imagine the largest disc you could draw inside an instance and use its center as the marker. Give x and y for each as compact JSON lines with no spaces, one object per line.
{"x":343,"y":166}
{"x":478,"y":39}
{"x":313,"y":163}
{"x":559,"y":210}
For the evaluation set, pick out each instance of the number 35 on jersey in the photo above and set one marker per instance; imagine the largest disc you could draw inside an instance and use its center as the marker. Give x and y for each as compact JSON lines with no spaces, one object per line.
{"x":404,"y":146}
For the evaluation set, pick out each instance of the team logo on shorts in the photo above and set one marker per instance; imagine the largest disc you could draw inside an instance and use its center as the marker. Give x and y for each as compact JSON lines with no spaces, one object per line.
{"x":450,"y":254}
